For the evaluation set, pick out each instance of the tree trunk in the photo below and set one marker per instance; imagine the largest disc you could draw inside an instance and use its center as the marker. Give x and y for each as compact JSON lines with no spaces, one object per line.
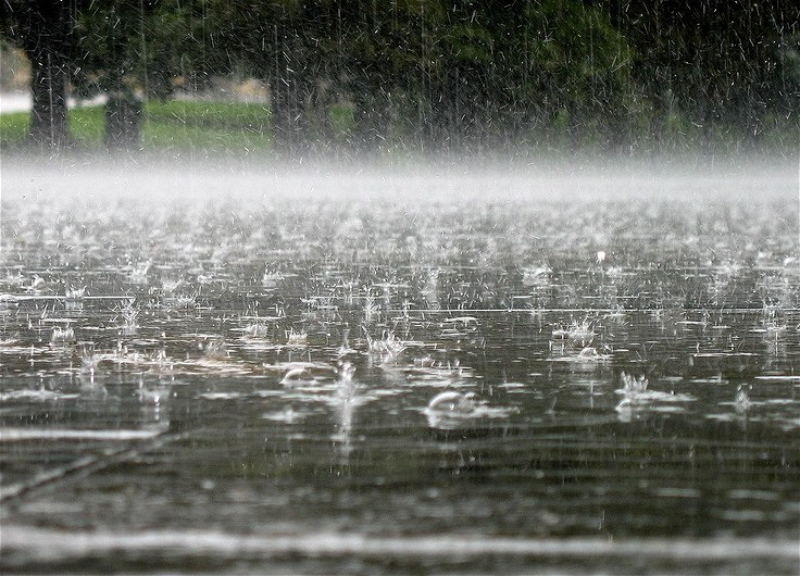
{"x":48,"y":40}
{"x":123,"y":121}
{"x":49,"y":126}
{"x":288,"y":92}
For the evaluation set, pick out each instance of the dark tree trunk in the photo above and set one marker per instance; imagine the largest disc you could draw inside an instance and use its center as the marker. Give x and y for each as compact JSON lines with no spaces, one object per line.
{"x":49,"y":126}
{"x":123,"y":109}
{"x":48,"y":43}
{"x":286,"y":115}
{"x":123,"y":121}
{"x":288,"y":93}
{"x":372,"y":113}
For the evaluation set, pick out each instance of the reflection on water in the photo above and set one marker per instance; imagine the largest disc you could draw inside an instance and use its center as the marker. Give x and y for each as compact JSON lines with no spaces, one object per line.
{"x":341,"y":386}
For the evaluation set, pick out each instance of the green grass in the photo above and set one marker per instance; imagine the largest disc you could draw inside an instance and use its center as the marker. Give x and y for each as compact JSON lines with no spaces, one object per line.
{"x":173,"y":125}
{"x":216,"y":115}
{"x":13,"y":127}
{"x":87,"y":125}
{"x":211,"y":126}
{"x":178,"y":126}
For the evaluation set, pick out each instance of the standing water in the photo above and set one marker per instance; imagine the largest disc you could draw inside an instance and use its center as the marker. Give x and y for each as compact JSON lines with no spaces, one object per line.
{"x":264,"y":372}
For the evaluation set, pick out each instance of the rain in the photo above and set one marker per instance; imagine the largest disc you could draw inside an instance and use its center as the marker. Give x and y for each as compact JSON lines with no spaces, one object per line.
{"x":423,"y":287}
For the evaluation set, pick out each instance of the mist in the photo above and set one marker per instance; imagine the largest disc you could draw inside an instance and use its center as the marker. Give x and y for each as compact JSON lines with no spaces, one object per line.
{"x":99,"y":179}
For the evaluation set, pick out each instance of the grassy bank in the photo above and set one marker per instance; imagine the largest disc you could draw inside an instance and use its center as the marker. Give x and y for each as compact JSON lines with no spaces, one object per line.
{"x":172,"y":126}
{"x":176,"y":127}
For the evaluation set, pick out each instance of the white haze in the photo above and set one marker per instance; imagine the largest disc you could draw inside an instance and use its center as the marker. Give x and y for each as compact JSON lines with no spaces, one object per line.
{"x":156,"y":184}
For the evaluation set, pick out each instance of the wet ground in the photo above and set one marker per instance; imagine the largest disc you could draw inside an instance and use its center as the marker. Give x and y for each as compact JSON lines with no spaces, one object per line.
{"x":502,"y":378}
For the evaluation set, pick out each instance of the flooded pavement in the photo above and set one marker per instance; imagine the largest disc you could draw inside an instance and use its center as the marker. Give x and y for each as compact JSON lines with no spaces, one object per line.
{"x":494,"y":381}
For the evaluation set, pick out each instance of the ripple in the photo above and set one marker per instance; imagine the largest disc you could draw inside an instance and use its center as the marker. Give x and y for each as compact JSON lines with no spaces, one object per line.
{"x":36,"y":395}
{"x":55,"y":545}
{"x":21,"y":434}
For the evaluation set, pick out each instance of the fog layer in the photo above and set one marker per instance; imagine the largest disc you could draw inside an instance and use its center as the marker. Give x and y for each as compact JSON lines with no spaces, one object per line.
{"x":199,"y":181}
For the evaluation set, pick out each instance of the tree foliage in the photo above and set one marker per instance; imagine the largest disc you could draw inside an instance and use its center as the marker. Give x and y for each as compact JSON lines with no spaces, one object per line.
{"x":455,"y":74}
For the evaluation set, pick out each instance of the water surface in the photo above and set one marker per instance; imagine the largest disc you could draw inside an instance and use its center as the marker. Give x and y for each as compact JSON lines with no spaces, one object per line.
{"x":202,"y":378}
